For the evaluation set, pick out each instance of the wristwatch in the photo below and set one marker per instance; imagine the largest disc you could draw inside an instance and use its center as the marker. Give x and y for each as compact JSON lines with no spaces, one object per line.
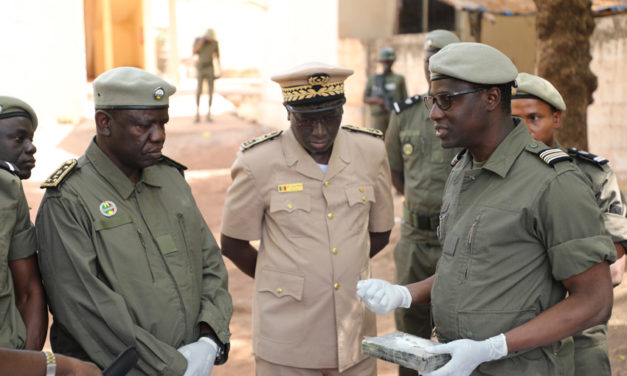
{"x":223,"y":350}
{"x":51,"y":363}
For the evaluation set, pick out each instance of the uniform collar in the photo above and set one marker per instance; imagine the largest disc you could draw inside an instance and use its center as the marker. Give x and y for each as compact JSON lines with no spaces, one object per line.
{"x":297,"y":157}
{"x":112,"y":173}
{"x":503,"y":157}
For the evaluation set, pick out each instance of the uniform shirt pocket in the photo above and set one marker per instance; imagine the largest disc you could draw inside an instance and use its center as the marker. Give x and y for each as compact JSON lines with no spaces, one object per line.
{"x":360,"y":195}
{"x":290,"y":210}
{"x":281,"y":311}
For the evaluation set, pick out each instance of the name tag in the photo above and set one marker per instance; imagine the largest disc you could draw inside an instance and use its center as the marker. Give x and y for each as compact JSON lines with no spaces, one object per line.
{"x":295,"y":187}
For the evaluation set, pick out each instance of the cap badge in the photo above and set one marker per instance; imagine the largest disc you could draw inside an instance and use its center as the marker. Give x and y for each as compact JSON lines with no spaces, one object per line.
{"x":514,"y":90}
{"x":318,"y":80}
{"x":108,"y":208}
{"x":408,"y":149}
{"x":159,"y":93}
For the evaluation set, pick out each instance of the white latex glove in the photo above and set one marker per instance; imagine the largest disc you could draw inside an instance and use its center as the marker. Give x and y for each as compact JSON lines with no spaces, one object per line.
{"x":200,"y":356}
{"x":466,"y":355}
{"x":381,"y":296}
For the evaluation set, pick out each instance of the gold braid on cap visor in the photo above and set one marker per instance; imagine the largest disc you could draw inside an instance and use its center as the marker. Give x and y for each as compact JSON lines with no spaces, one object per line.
{"x":299,"y":93}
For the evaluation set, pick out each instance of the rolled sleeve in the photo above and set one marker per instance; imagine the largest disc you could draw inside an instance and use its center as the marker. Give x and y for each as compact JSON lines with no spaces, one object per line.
{"x":571,"y":227}
{"x":578,"y":255}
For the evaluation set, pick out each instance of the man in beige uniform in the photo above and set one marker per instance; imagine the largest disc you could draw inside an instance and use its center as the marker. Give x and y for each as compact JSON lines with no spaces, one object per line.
{"x":541,"y":106}
{"x":318,"y":196}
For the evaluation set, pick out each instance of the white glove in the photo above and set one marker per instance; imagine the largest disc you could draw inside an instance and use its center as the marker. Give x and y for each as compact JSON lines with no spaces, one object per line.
{"x":200,"y":356}
{"x":466,"y":355}
{"x":381,"y":296}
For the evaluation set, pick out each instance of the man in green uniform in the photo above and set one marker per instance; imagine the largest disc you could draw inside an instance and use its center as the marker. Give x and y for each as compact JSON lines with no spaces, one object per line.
{"x":125,"y":254}
{"x":520,"y":230}
{"x":541,"y":106}
{"x":419,"y":168}
{"x":382,"y":90}
{"x":206,"y":47}
{"x":23,"y":312}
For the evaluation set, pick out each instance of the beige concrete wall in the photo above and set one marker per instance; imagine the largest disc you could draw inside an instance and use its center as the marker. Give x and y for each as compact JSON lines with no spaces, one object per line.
{"x":607,"y":124}
{"x":514,"y":36}
{"x":42,"y":59}
{"x":366,"y":18}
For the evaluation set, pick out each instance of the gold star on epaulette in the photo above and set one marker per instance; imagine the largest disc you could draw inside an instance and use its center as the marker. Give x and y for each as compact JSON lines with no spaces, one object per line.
{"x":257,"y":140}
{"x":61,"y":173}
{"x":370,"y":131}
{"x":552,"y":156}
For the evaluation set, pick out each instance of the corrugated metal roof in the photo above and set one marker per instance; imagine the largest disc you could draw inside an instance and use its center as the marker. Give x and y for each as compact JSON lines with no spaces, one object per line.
{"x":514,"y":7}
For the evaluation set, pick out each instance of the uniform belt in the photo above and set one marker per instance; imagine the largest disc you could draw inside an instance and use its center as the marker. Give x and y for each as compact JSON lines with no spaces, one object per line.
{"x":421,"y":221}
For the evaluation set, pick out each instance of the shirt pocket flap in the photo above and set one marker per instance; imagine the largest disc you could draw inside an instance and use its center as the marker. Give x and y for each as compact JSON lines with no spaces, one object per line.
{"x":360,"y":195}
{"x":281,"y":283}
{"x":107,"y":223}
{"x":166,"y":244}
{"x":289,"y":202}
{"x":450,"y":243}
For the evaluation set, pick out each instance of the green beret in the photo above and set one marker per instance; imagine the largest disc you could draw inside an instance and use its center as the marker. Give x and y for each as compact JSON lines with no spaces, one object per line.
{"x":530,"y":86}
{"x":472,"y":62}
{"x":437,"y":39}
{"x":12,"y":107}
{"x":132,"y":89}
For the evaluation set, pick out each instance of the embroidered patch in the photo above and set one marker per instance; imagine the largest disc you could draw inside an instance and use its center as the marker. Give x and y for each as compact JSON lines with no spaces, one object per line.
{"x":108,"y":208}
{"x":408,"y":149}
{"x":294,"y":187}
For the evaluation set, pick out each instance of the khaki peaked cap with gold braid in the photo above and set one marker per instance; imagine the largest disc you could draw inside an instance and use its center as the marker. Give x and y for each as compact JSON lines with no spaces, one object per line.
{"x":313,"y":86}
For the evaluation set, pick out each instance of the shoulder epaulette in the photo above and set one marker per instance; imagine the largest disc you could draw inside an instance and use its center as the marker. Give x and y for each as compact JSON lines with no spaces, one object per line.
{"x":457,"y":157}
{"x":370,"y":131}
{"x":61,"y":173}
{"x":9,"y":167}
{"x":257,"y":140}
{"x":408,"y":102}
{"x":599,"y":161}
{"x":553,"y":156}
{"x":173,"y":163}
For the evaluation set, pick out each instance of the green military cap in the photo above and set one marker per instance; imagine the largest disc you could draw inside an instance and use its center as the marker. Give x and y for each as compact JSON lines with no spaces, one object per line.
{"x":530,"y":86}
{"x":437,"y":39}
{"x":131,"y":88}
{"x":387,"y":54}
{"x":12,"y":107}
{"x":313,"y":87}
{"x":473,"y":62}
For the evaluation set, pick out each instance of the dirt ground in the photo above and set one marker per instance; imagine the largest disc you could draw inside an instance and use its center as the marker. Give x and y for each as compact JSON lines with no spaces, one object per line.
{"x":208,"y":150}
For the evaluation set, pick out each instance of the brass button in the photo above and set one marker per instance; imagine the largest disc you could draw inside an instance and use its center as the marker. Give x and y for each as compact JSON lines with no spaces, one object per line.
{"x":336,"y":286}
{"x":335,"y":250}
{"x":331,"y":215}
{"x":279,"y":290}
{"x":327,"y":183}
{"x":363,"y":198}
{"x":289,"y":206}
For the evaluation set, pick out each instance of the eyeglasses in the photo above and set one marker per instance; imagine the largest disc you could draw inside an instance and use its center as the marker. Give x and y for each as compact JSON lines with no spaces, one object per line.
{"x":444,"y":100}
{"x":309,"y":122}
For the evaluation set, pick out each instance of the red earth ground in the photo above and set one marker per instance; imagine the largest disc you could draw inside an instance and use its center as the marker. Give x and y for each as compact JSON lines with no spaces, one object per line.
{"x":208,"y":150}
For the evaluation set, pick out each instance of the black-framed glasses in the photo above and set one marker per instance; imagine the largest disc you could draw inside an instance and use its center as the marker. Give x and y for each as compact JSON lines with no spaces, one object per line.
{"x":310,"y":121}
{"x":444,"y":100}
